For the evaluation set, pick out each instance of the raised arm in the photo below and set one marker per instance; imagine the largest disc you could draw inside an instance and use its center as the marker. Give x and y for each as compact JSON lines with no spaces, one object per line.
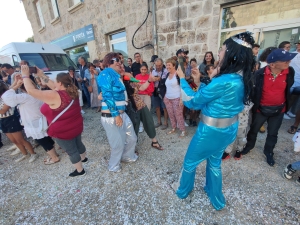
{"x":50,"y":97}
{"x":14,"y":82}
{"x":148,"y":84}
{"x":204,"y":95}
{"x":45,"y":79}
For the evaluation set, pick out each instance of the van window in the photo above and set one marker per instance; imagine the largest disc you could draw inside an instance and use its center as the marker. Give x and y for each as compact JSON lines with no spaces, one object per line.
{"x":15,"y":60}
{"x":48,"y":61}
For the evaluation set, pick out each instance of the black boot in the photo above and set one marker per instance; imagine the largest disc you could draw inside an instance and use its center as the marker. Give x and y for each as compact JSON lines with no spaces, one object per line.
{"x":245,"y":151}
{"x":270,"y":159}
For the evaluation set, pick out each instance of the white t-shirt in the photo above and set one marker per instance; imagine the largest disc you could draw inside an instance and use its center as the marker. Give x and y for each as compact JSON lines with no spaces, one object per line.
{"x":295,"y":63}
{"x":173,"y":88}
{"x":29,"y":111}
{"x":263,"y":64}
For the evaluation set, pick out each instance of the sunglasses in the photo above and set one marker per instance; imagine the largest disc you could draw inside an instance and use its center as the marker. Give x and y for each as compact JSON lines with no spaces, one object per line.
{"x":113,"y":60}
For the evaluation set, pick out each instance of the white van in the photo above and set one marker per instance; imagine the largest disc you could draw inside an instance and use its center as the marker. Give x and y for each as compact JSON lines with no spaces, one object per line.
{"x":48,"y":57}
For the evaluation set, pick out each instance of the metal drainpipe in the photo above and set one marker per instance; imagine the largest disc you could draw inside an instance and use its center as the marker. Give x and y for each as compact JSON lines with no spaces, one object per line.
{"x":154,"y":27}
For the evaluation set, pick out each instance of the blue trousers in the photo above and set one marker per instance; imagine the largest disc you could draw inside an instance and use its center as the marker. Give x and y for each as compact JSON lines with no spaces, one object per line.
{"x":86,"y":94}
{"x":296,"y":165}
{"x":208,"y":143}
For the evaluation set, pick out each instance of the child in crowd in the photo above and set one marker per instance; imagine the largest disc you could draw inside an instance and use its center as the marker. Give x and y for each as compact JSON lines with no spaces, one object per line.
{"x":240,"y":140}
{"x":290,"y":169}
{"x":209,"y":70}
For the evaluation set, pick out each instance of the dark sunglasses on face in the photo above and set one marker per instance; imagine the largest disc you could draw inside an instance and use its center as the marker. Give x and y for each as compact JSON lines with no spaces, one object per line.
{"x":113,"y":60}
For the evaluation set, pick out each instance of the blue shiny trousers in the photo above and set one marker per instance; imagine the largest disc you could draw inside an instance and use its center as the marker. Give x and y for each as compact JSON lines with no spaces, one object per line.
{"x":208,"y":144}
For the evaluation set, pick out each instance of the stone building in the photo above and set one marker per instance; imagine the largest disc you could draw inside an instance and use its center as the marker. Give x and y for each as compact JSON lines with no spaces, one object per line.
{"x":94,"y":27}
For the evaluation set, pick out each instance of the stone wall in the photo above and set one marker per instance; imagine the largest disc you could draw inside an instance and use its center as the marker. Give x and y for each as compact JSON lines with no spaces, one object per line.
{"x":197,"y":30}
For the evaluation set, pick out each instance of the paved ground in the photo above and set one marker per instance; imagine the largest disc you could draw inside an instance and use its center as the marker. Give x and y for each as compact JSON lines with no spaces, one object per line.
{"x":255,"y":192}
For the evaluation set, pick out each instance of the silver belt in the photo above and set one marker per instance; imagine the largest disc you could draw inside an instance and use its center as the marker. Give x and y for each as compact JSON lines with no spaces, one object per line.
{"x":217,"y":122}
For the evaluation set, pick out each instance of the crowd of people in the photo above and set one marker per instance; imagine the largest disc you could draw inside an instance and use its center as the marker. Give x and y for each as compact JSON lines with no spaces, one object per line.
{"x":230,"y":100}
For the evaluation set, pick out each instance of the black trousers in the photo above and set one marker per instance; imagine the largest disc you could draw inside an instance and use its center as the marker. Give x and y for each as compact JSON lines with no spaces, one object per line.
{"x":274,"y":124}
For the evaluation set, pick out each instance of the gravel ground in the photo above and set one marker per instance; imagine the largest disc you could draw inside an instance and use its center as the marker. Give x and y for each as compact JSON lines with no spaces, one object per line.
{"x":32,"y":193}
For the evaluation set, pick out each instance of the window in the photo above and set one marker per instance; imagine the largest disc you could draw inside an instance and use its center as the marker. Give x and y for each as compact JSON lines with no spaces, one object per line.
{"x":75,"y":5}
{"x":258,"y":12}
{"x":55,"y":9}
{"x":15,"y":60}
{"x":39,"y":11}
{"x":74,"y":53}
{"x":48,"y":62}
{"x":270,"y":21}
{"x":76,"y":1}
{"x":118,"y":43}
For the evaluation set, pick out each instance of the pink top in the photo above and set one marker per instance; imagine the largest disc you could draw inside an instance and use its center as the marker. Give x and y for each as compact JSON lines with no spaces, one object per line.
{"x":70,"y":124}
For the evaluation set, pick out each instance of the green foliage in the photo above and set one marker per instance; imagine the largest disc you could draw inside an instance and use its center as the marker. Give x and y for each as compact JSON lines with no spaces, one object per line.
{"x":30,"y":39}
{"x":78,"y":50}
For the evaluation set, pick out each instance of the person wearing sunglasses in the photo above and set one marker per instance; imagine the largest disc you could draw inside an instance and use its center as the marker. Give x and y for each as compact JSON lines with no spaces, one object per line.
{"x":117,"y":125}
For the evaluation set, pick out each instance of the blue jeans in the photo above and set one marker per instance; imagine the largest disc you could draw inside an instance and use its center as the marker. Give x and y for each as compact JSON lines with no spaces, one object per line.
{"x":86,"y":94}
{"x":295,"y":90}
{"x":296,"y":165}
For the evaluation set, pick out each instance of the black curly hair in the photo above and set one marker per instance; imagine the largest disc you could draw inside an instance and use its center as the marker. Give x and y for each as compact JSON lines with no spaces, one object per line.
{"x":265,"y":53}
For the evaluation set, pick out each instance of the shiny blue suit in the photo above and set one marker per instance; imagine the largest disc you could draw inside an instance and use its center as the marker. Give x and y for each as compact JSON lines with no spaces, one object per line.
{"x":222,"y":98}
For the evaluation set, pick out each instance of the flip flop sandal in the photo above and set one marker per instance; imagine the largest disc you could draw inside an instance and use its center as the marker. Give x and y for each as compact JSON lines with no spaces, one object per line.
{"x":49,"y":162}
{"x":292,"y":130}
{"x":47,"y":158}
{"x":157,"y":147}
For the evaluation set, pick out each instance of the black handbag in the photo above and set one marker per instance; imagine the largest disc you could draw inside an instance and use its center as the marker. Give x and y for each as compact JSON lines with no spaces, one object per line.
{"x":156,"y":92}
{"x":271,"y":110}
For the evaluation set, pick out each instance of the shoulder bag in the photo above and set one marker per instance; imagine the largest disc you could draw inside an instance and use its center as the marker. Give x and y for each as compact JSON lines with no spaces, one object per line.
{"x":43,"y":121}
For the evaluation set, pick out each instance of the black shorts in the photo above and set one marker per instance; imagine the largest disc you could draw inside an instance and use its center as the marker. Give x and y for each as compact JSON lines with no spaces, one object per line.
{"x":46,"y":142}
{"x":11,"y":124}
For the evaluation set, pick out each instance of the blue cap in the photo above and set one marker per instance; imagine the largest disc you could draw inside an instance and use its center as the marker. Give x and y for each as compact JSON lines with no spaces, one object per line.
{"x":280,"y":55}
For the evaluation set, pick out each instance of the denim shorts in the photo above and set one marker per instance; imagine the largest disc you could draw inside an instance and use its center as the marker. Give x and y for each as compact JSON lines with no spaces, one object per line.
{"x":11,"y":124}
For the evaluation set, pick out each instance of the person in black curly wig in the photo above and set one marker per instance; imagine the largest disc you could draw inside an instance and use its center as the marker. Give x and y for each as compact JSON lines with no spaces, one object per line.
{"x":220,"y":103}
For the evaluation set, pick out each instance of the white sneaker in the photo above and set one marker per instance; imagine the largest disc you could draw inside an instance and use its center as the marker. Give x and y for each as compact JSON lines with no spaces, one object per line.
{"x":286,"y":116}
{"x":22,"y":158}
{"x":141,"y":129}
{"x":185,"y":124}
{"x":11,"y":148}
{"x":33,"y":157}
{"x":82,"y":112}
{"x":291,"y":115}
{"x":16,"y":152}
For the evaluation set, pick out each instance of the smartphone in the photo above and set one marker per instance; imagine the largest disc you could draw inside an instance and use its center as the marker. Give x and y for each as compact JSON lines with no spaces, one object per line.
{"x":32,"y":69}
{"x":181,"y":63}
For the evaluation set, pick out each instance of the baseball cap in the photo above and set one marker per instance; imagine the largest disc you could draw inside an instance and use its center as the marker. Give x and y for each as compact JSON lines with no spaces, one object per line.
{"x":280,"y":55}
{"x":153,"y":58}
{"x":182,"y":50}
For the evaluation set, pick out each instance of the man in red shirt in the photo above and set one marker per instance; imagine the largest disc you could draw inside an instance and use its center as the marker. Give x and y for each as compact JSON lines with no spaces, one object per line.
{"x":271,"y":99}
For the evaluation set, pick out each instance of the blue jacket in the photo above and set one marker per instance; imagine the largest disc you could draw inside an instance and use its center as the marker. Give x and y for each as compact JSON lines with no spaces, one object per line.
{"x":113,"y":91}
{"x":222,"y":98}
